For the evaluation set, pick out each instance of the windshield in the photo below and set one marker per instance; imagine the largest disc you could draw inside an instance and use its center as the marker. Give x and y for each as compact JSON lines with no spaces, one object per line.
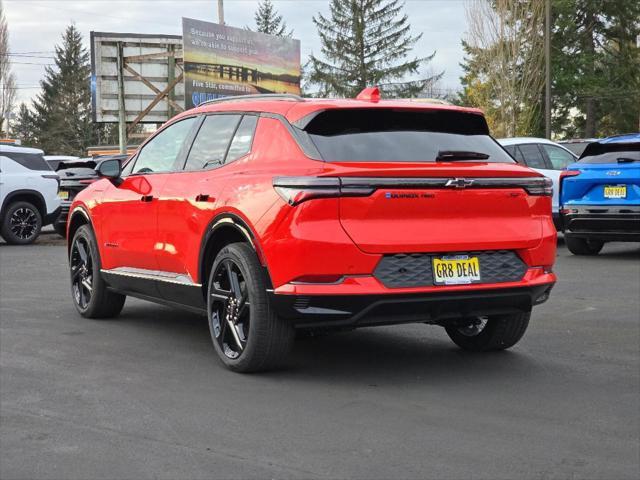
{"x":385,"y":135}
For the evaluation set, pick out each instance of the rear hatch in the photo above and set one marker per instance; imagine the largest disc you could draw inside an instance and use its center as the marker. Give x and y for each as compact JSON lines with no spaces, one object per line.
{"x":609,"y":174}
{"x":428,"y":181}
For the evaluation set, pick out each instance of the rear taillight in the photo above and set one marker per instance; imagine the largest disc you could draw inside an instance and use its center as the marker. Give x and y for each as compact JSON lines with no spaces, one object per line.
{"x":566,"y":174}
{"x":295,"y":190}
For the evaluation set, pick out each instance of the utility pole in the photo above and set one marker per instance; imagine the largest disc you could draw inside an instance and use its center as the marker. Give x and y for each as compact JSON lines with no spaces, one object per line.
{"x":122,"y":112}
{"x":221,"y":12}
{"x":547,"y":65}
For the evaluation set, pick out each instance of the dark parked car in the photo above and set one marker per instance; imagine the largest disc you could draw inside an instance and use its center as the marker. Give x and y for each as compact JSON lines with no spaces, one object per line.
{"x":75,"y":176}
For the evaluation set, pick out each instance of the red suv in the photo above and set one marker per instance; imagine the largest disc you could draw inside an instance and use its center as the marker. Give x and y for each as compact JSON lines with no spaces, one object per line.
{"x":275,"y":213}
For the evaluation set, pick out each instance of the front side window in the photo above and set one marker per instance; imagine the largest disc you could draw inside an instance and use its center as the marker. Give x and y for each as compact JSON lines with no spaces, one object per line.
{"x":532,"y":156}
{"x":161,"y":152}
{"x":558,"y":157}
{"x":210,"y":146}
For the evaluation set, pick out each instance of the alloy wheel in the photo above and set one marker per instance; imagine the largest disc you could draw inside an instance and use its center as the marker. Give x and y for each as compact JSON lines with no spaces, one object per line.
{"x":230,"y":309}
{"x":24,"y":223}
{"x":81,"y":272}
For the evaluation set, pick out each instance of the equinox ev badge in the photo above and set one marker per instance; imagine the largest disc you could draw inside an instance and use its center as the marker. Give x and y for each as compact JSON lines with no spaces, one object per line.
{"x":458,"y":183}
{"x":613,"y":173}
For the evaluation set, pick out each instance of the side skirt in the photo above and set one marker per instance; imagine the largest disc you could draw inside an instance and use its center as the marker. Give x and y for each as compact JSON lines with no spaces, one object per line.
{"x":160,"y":287}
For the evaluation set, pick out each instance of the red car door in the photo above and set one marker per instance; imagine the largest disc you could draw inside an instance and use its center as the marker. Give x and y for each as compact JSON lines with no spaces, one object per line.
{"x":189,"y":199}
{"x":129,"y":211}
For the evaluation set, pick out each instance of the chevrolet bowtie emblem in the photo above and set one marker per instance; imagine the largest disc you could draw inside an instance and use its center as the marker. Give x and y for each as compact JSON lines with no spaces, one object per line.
{"x":458,"y":183}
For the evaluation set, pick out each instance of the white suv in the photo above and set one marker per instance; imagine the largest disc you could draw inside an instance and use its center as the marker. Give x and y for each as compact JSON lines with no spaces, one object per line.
{"x":28,"y":194}
{"x":544,"y":156}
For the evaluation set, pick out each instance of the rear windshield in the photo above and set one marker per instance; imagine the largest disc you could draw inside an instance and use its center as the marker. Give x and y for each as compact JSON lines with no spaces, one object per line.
{"x":613,"y":153}
{"x":386,"y":135}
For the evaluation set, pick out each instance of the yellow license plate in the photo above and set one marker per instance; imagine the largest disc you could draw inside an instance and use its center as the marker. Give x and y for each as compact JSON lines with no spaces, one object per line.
{"x":456,"y":270}
{"x":64,"y":195}
{"x":615,"y":191}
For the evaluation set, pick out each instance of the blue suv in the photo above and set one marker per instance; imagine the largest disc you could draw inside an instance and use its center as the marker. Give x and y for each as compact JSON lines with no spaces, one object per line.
{"x":600,"y":195}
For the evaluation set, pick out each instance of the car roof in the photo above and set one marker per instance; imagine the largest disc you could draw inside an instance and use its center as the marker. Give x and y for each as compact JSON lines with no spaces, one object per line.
{"x":294,"y":108}
{"x":523,"y":140}
{"x":626,"y":138}
{"x":17,"y":149}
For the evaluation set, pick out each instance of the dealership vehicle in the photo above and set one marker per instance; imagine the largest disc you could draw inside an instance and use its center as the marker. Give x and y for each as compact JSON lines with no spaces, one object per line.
{"x":276,"y":213}
{"x":600,"y":195}
{"x":577,"y":145}
{"x":75,"y":176}
{"x":28,"y":194}
{"x":55,"y":161}
{"x":545,"y":157}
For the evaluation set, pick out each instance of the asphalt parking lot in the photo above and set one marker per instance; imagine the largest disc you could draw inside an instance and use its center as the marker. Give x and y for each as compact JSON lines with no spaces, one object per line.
{"x":143,"y":396}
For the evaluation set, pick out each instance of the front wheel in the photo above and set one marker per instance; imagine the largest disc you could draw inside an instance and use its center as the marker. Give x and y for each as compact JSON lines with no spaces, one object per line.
{"x":495,"y":332}
{"x":247,"y":334}
{"x":91,"y":296}
{"x":583,"y":246}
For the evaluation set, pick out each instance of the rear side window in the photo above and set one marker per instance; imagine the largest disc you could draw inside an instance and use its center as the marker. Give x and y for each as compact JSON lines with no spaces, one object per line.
{"x":558,"y":157}
{"x":210,"y":146}
{"x":241,"y":144}
{"x":32,"y":161}
{"x":532,"y":156}
{"x":392,"y":135}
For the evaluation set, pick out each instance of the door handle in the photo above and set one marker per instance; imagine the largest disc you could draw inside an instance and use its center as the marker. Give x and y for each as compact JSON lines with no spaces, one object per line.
{"x":202,"y":198}
{"x":146,"y":198}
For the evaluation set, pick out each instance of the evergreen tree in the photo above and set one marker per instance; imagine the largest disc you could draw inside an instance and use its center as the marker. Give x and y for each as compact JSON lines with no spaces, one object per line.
{"x":24,"y":128}
{"x":63,"y":108}
{"x":595,"y":65}
{"x":269,"y":21}
{"x":366,"y":43}
{"x":7,"y":78}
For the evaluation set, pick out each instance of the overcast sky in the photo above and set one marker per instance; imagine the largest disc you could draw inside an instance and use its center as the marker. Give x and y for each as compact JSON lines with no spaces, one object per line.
{"x":36,"y":26}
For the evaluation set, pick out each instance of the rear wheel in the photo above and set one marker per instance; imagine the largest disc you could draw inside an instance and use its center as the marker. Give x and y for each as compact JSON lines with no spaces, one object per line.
{"x":583,"y":246}
{"x":21,"y":224}
{"x":91,"y":296}
{"x":495,"y":332}
{"x":247,"y":334}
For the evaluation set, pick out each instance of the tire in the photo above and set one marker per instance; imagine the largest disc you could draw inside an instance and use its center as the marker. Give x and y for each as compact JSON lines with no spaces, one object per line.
{"x":21,"y":224}
{"x":89,"y":291}
{"x":583,"y":246}
{"x":246,"y":333}
{"x":60,"y":229}
{"x":499,"y":332}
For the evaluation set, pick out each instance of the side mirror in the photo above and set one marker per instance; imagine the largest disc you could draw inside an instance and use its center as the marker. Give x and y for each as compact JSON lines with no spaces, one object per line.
{"x":111,"y":169}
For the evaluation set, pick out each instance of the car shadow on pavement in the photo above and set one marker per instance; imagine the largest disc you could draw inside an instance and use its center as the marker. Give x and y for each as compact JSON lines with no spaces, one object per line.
{"x":403,"y":353}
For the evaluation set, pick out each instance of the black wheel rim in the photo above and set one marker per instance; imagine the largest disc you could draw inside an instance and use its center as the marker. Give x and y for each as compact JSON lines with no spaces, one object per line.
{"x":24,"y":223}
{"x":81,"y":272}
{"x":229,"y":308}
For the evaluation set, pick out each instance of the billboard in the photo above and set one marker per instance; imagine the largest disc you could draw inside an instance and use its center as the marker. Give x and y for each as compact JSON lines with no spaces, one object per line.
{"x":150,"y":64}
{"x":220,"y":61}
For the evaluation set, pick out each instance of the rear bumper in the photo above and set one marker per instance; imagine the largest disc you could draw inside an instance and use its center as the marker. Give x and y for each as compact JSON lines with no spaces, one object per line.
{"x":435,"y":306}
{"x":63,"y":214}
{"x":619,"y":223}
{"x":51,"y":217}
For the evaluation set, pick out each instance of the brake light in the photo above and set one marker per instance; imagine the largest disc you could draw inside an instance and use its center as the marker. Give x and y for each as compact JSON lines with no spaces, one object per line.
{"x":295,"y":190}
{"x":564,"y":174}
{"x":539,"y":188}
